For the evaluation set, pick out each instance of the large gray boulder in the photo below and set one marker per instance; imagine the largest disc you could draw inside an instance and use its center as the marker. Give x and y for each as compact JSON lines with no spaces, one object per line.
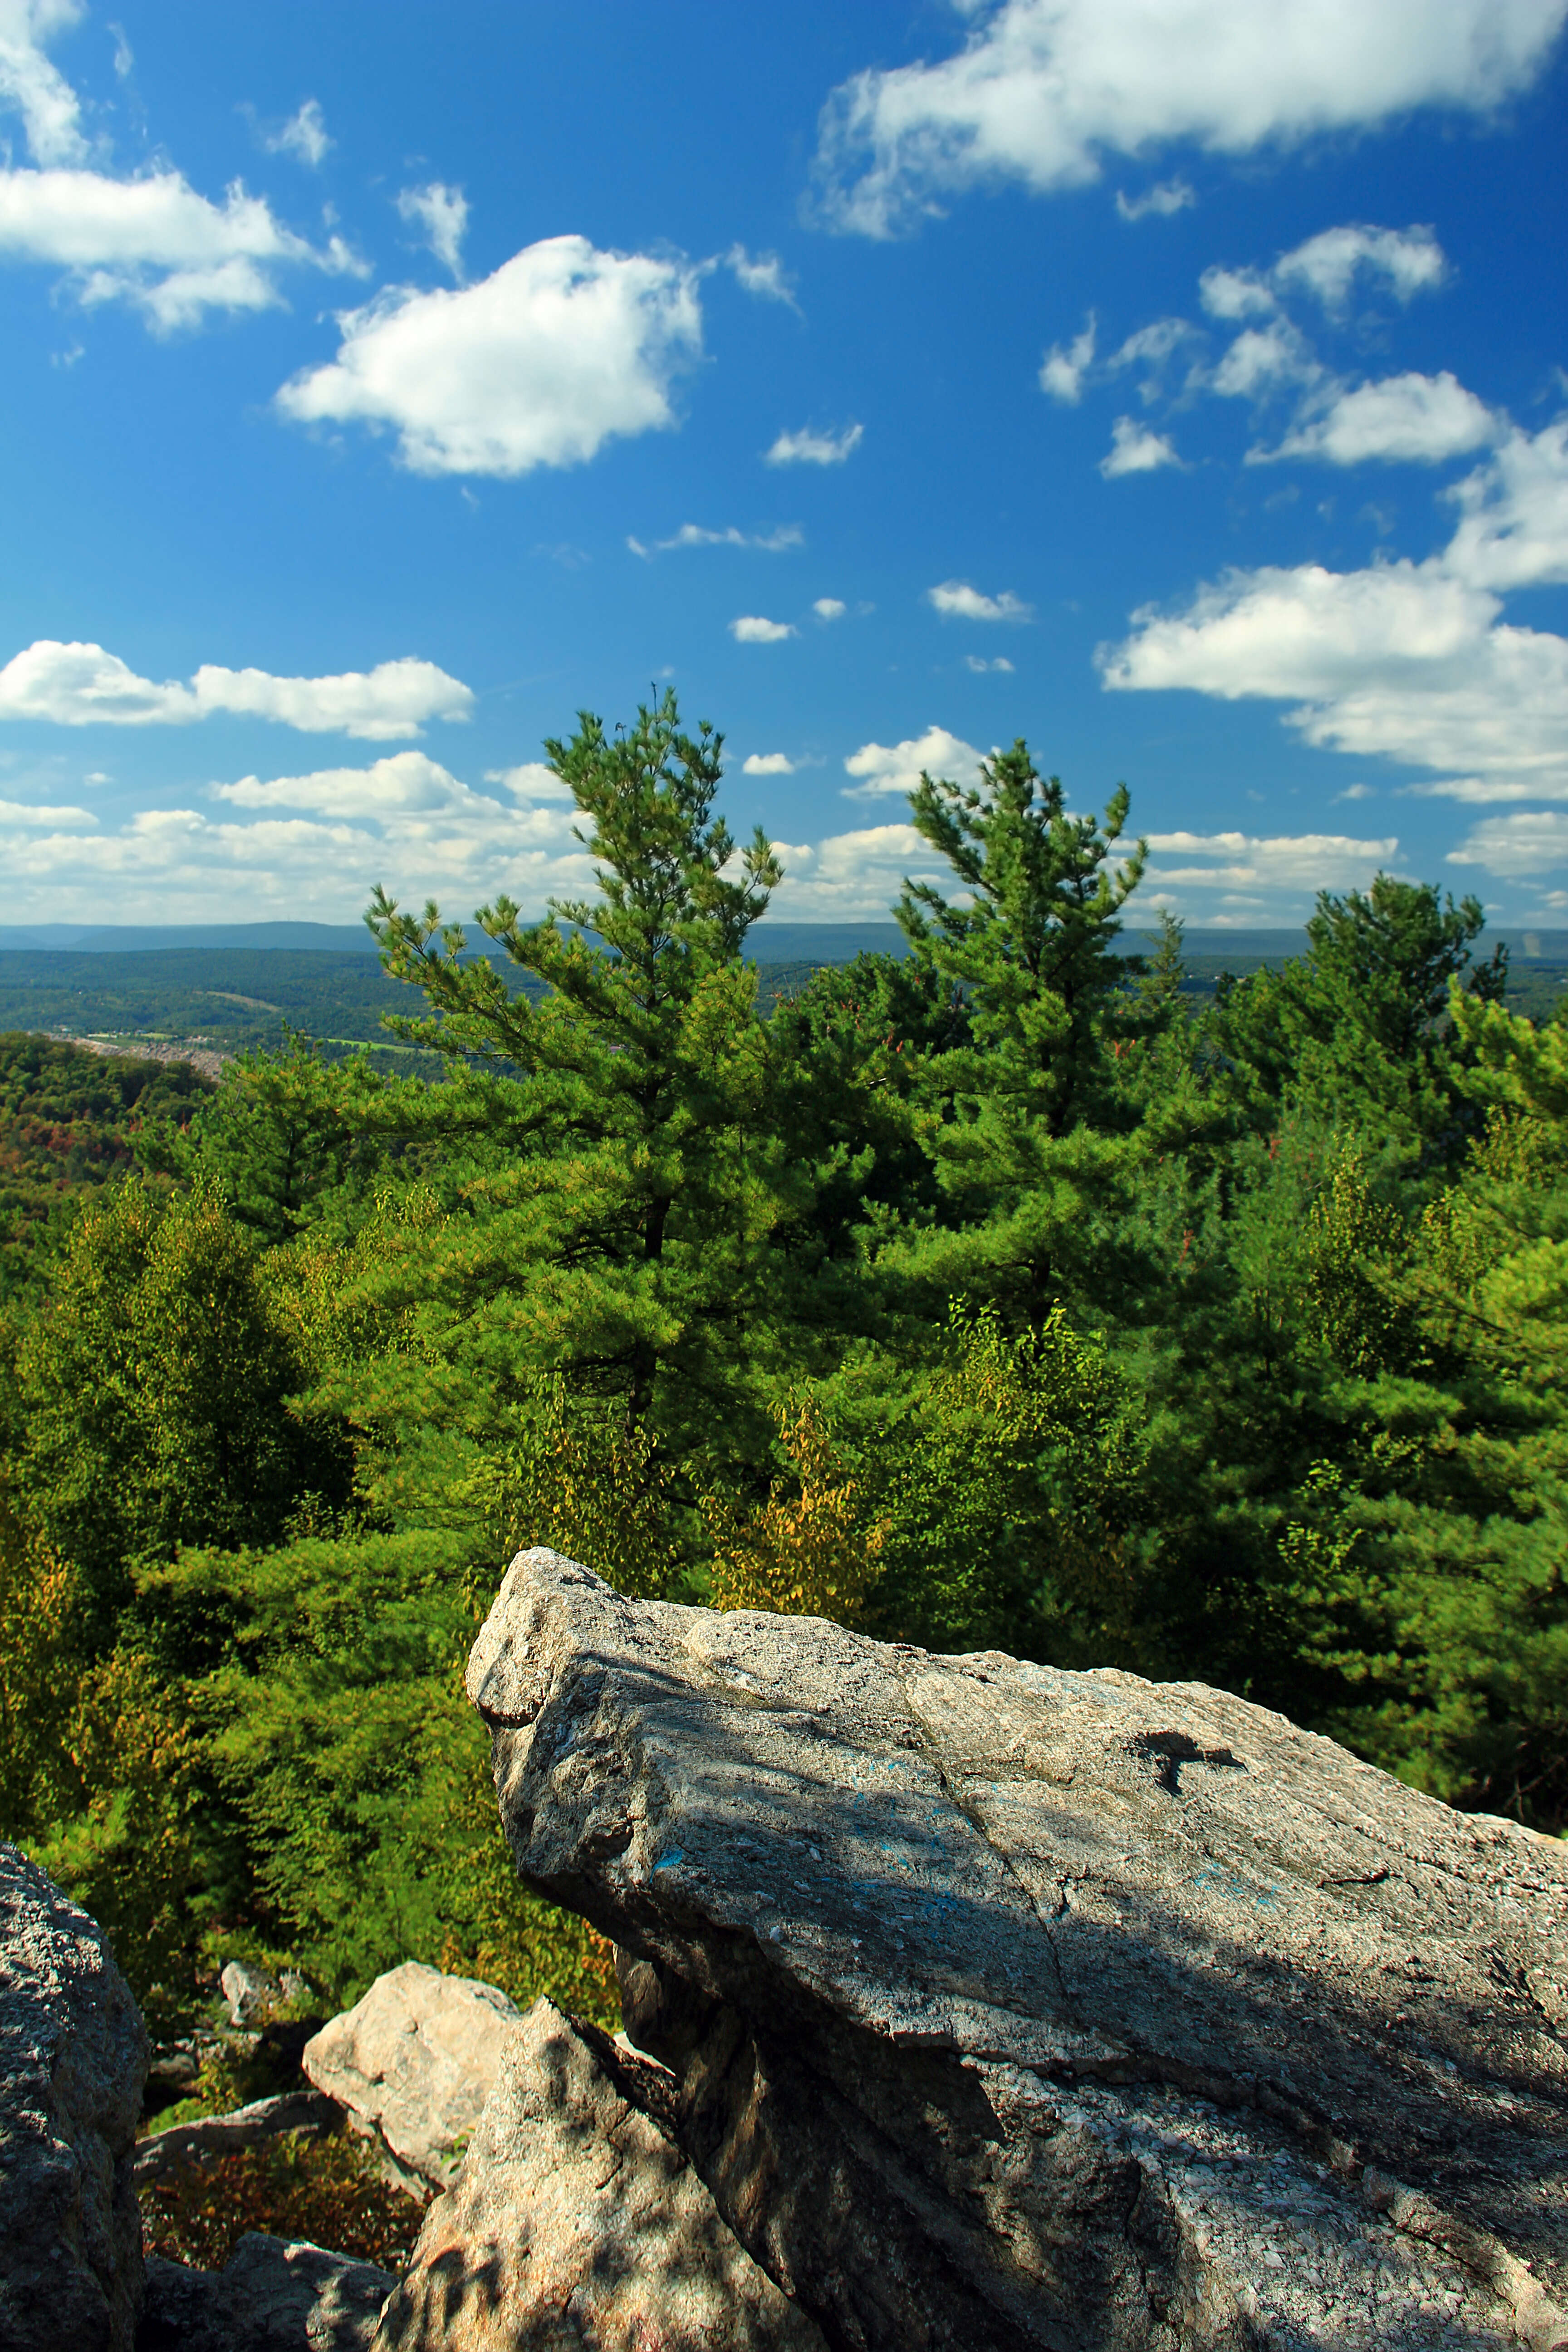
{"x":1009,"y":2007}
{"x":414,"y":2063}
{"x":577,"y":2221}
{"x":73,"y":2059}
{"x":273,"y":2295}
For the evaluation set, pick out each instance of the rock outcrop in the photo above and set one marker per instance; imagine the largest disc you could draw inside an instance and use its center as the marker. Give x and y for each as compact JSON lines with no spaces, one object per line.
{"x":309,"y":2113}
{"x":414,"y":2063}
{"x":577,"y":2221}
{"x":73,"y":2059}
{"x":1009,"y":2008}
{"x":271,"y":2296}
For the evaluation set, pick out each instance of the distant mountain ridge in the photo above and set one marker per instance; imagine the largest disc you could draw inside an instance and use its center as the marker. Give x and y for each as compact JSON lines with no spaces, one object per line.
{"x":770,"y":942}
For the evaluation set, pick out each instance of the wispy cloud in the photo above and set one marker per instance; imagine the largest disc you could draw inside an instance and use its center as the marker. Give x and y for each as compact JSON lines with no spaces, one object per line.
{"x":303,"y":136}
{"x":762,"y":274}
{"x":809,"y":448}
{"x":441,"y":214}
{"x":1065,"y":365}
{"x":777,"y":541}
{"x":957,"y":600}
{"x":1167,"y":196}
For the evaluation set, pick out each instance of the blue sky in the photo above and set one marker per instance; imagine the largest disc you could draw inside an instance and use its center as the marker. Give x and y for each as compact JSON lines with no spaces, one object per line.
{"x":1177,"y":384}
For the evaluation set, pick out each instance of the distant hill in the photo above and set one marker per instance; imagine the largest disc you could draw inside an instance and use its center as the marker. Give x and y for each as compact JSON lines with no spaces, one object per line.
{"x":771,"y":942}
{"x":224,"y":990}
{"x":136,"y":938}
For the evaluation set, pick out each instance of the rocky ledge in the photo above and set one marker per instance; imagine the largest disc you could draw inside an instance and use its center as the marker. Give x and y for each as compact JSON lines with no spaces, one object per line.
{"x":1005,"y":2007}
{"x":73,"y":2056}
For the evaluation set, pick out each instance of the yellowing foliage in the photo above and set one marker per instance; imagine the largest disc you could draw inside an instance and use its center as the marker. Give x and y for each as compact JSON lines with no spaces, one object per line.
{"x":806,"y":1554}
{"x":125,"y":1850}
{"x":38,"y":1597}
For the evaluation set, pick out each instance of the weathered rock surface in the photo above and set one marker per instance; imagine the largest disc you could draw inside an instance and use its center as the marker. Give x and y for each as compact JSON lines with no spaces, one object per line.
{"x":414,"y":2061}
{"x":1009,"y":2007}
{"x":73,"y":2057}
{"x":577,"y":2222}
{"x":207,"y":2138}
{"x":272,"y":2295}
{"x":249,"y":1991}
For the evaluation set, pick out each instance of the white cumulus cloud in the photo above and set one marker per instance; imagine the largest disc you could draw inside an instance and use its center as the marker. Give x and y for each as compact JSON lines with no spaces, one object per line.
{"x":1235,"y":294}
{"x":1134,"y":449}
{"x":1043,"y":89}
{"x":34,"y":88}
{"x":1419,"y":419}
{"x":978,"y":663}
{"x":1261,"y":358}
{"x":152,"y":239}
{"x":404,"y":781}
{"x":1516,"y":848}
{"x":881,"y":768}
{"x":441,"y":214}
{"x":301,"y":846}
{"x":1308,"y":631}
{"x":1241,"y":861}
{"x":45,"y":815}
{"x":767,"y":763}
{"x":155,"y":242}
{"x":830,"y":608}
{"x":531,"y":780}
{"x":1412,"y":662}
{"x":855,"y":875}
{"x":559,"y":349}
{"x":81,"y":684}
{"x":955,"y":600}
{"x":1513,"y":531}
{"x":379,"y":704}
{"x":808,"y":448}
{"x":1231,"y":879}
{"x":1408,"y":262}
{"x":752,"y":629}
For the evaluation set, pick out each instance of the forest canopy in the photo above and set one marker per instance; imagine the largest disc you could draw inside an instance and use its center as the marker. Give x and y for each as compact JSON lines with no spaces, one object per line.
{"x":998,"y":1294}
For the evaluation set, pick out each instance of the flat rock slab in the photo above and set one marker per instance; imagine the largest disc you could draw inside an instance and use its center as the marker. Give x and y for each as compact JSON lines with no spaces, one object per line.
{"x":1015,"y":2007}
{"x":578,"y":2221}
{"x":73,"y":2061}
{"x":414,"y":2061}
{"x":207,"y":2138}
{"x":273,"y":2295}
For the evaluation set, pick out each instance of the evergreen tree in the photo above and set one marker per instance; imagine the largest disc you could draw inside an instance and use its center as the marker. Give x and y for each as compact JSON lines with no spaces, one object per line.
{"x":1021,"y":1122}
{"x":150,"y":1395}
{"x":614,"y":1179}
{"x":860,"y":1043}
{"x":1357,"y":1032}
{"x":282,"y":1133}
